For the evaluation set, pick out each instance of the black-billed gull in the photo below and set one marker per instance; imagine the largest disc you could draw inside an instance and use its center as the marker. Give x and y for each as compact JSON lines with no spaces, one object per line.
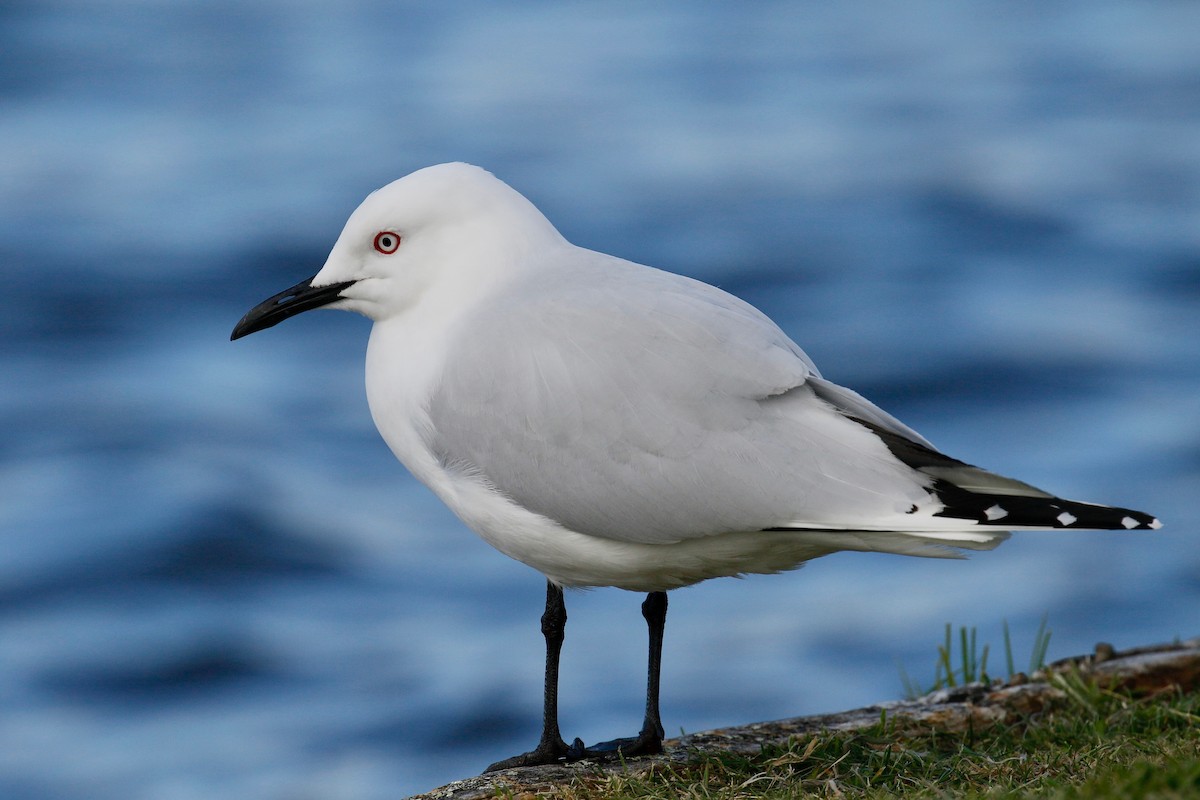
{"x":611,"y":424}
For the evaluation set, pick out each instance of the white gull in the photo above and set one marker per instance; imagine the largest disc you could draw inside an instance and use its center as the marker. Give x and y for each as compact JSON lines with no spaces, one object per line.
{"x":611,"y":424}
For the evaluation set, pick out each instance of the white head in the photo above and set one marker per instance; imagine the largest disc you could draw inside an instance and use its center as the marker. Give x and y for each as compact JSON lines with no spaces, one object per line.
{"x":454,"y":226}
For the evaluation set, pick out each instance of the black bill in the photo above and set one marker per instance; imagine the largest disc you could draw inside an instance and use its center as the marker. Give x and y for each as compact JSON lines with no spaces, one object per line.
{"x":288,"y":303}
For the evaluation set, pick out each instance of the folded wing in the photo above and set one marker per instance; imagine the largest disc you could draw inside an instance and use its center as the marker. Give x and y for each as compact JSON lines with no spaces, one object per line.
{"x":642,"y":406}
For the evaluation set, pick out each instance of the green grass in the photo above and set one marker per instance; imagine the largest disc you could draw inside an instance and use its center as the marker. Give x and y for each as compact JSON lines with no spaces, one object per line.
{"x":1097,"y":744}
{"x":972,"y":662}
{"x":1094,"y":743}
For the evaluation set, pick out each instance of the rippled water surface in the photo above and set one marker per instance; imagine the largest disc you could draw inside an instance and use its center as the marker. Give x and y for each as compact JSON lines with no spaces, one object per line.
{"x":215,"y":581}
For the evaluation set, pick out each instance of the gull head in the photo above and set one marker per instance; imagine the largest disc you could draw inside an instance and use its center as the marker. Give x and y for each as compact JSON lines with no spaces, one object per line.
{"x":450,"y":227}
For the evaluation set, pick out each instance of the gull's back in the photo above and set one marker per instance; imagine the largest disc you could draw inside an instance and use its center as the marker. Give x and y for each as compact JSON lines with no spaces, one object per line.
{"x":633,"y":404}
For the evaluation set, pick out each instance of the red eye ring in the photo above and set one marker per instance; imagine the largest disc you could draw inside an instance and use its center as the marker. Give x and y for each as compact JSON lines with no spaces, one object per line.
{"x":387,"y":242}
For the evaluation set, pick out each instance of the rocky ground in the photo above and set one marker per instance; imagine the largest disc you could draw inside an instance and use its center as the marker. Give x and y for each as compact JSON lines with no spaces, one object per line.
{"x":1143,"y":669}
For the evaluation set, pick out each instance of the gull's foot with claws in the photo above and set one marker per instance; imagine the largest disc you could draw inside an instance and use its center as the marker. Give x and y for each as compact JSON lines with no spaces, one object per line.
{"x":552,"y":752}
{"x":646,"y":743}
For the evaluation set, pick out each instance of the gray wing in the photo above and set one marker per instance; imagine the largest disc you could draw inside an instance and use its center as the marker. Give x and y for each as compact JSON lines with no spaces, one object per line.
{"x":637,"y":405}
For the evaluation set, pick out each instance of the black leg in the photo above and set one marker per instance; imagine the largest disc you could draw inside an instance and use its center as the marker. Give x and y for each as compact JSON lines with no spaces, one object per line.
{"x":551,"y":748}
{"x":649,"y":739}
{"x":654,"y":609}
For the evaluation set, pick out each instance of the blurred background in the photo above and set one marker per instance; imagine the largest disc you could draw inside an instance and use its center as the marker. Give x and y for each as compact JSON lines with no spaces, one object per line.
{"x":215,"y":580}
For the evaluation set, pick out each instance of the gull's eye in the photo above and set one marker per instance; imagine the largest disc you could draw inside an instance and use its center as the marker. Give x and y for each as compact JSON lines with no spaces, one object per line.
{"x":386,"y":242}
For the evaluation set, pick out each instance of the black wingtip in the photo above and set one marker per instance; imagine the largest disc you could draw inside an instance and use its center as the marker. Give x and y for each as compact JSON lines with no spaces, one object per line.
{"x":1009,"y":503}
{"x":1016,"y":511}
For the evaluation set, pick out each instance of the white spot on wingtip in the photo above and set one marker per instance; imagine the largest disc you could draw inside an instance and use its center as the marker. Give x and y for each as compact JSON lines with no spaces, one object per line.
{"x":1129,"y":522}
{"x":1066,"y":518}
{"x":995,"y":513}
{"x":1154,"y":524}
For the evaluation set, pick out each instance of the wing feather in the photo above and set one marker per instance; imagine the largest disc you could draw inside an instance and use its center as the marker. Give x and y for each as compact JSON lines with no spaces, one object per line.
{"x":636,"y":405}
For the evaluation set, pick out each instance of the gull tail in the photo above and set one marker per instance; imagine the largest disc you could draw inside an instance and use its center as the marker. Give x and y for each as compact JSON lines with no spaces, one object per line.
{"x":1038,"y":512}
{"x":980,"y":497}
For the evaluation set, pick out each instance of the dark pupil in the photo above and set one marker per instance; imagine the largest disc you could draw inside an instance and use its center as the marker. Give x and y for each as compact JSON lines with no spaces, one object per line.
{"x":385,"y":242}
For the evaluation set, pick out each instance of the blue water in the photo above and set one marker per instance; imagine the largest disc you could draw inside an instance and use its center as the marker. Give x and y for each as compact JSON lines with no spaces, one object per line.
{"x":215,"y":581}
